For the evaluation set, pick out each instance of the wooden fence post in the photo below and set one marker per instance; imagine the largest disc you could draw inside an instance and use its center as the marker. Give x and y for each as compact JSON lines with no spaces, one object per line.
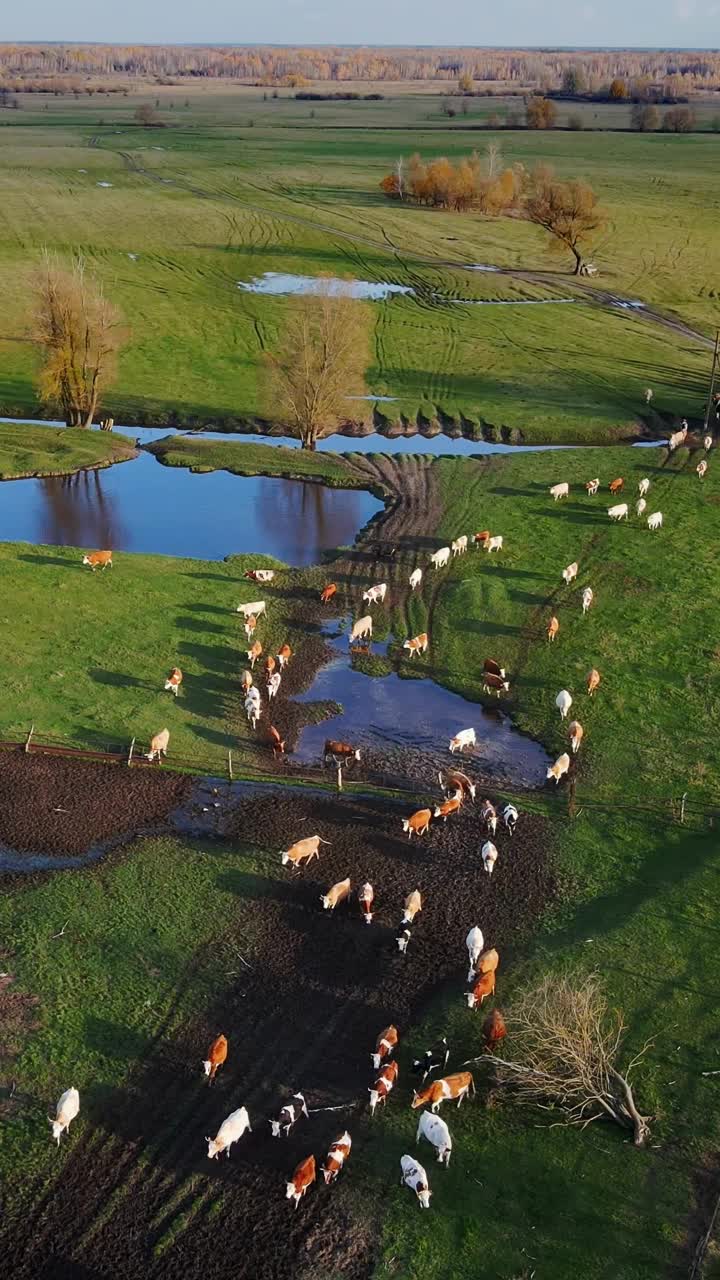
{"x":682,"y":807}
{"x":339,"y":777}
{"x":27,"y":740}
{"x":130,"y":752}
{"x":230,"y":772}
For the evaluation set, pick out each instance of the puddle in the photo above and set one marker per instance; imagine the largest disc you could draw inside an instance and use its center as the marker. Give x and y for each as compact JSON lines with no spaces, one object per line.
{"x":279,"y":282}
{"x":513,"y":302}
{"x":480,"y":266}
{"x":376,"y":710}
{"x":374,"y":399}
{"x":103,"y":184}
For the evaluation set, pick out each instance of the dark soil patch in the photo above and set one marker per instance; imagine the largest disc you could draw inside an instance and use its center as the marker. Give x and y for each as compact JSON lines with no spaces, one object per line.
{"x":304,"y":1016}
{"x":61,"y":806}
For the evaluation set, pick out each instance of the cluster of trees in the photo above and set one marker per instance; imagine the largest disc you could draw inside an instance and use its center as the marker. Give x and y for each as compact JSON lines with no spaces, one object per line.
{"x":549,"y":70}
{"x":460,"y":185}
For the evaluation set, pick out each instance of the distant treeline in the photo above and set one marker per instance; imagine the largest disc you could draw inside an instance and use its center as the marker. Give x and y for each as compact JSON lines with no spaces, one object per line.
{"x":542,"y":69}
{"x":306,"y":96}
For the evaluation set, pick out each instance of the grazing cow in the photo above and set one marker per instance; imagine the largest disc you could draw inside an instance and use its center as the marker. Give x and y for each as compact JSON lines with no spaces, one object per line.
{"x":435,"y":1059}
{"x":335,"y":1159}
{"x":273,"y":685}
{"x":553,"y":627}
{"x":159,"y":745}
{"x":302,"y":850}
{"x":465,"y":738}
{"x":412,"y":904}
{"x":418,"y":644}
{"x":488,"y":816}
{"x":701,"y":469}
{"x":493,"y":668}
{"x":250,"y":625}
{"x":284,"y":655}
{"x":255,"y":652}
{"x":563,"y":702}
{"x":435,"y":1130}
{"x":484,"y":987}
{"x":275,"y":742}
{"x":67,"y":1108}
{"x":561,"y":766}
{"x":655,"y":520}
{"x":593,"y":681}
{"x":402,"y":938}
{"x":413,"y":1175}
{"x":289,"y":1116}
{"x":495,"y":684}
{"x":649,"y":393}
{"x":270,"y":665}
{"x":337,"y":894}
{"x":457,"y":781}
{"x":373,"y":594}
{"x":246,"y":682}
{"x":620,"y":512}
{"x":327,"y":593}
{"x":560,"y":491}
{"x":340,"y":750}
{"x":444,"y":810}
{"x":383,"y":1085}
{"x":440,"y":558}
{"x":98,"y":560}
{"x":454,"y":1086}
{"x":707,"y":443}
{"x":254,"y":609}
{"x":459,"y":546}
{"x":474,"y":943}
{"x":640,"y":507}
{"x":362,"y":629}
{"x":415,"y":579}
{"x":616,"y":486}
{"x":174,"y":681}
{"x":592,"y":486}
{"x":570,"y":573}
{"x":588,"y":596}
{"x":489,"y":855}
{"x":231,"y":1129}
{"x":303,"y":1177}
{"x":385,"y":1045}
{"x":493,"y":1030}
{"x":481,"y":538}
{"x":643,"y":486}
{"x":487,"y":962}
{"x":510,"y":817}
{"x":494,"y":544}
{"x":417,"y":822}
{"x":575,"y":734}
{"x":217,"y":1055}
{"x":260,"y":575}
{"x":366,"y":897}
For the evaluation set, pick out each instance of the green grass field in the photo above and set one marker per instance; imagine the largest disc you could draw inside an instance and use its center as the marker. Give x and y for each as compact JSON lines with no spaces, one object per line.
{"x":39,"y":451}
{"x":224,"y":196}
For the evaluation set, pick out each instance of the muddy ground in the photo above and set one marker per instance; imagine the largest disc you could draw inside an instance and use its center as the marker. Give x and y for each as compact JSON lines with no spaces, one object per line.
{"x":304,"y":1016}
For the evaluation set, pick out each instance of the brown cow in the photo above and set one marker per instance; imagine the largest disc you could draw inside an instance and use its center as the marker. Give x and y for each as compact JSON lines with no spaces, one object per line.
{"x":303,"y":1177}
{"x":481,"y":538}
{"x":553,"y":627}
{"x":418,"y":822}
{"x":455,"y":1086}
{"x":616,"y":486}
{"x":275,"y":742}
{"x":284,"y":655}
{"x":484,"y":987}
{"x":217,"y":1054}
{"x":99,"y":560}
{"x":493,"y":1030}
{"x":453,"y":805}
{"x":327,"y":593}
{"x":336,"y":1157}
{"x":593,"y":681}
{"x":383,"y":1085}
{"x":385,"y":1044}
{"x":253,"y":653}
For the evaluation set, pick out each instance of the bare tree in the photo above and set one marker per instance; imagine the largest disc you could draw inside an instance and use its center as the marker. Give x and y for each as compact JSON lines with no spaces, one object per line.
{"x":80,"y":332}
{"x":567,"y":1040}
{"x":147,"y":116}
{"x":320,"y":362}
{"x":399,"y":179}
{"x":568,"y":210}
{"x":493,"y":157}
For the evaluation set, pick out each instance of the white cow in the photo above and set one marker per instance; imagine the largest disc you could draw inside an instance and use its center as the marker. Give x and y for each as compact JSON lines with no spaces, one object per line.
{"x":570,"y":573}
{"x":560,"y":491}
{"x":563,"y":702}
{"x":460,"y":546}
{"x":643,"y":486}
{"x":440,"y":558}
{"x":274,"y":684}
{"x":414,"y":1176}
{"x":67,"y":1108}
{"x":229,"y":1132}
{"x":474,"y":943}
{"x":587,"y":599}
{"x":620,"y":512}
{"x":708,"y":443}
{"x":437,"y":1133}
{"x":489,"y":856}
{"x":159,"y":745}
{"x":252,"y":706}
{"x":465,"y":738}
{"x":373,"y":594}
{"x":641,"y":506}
{"x":701,"y":469}
{"x":415,"y":578}
{"x":510,"y":817}
{"x":655,"y":520}
{"x":362,"y":629}
{"x":592,"y":486}
{"x":494,"y":544}
{"x":256,"y":607}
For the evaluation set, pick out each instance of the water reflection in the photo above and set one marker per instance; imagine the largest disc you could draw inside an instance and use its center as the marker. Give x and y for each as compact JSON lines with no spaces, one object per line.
{"x":75,"y":511}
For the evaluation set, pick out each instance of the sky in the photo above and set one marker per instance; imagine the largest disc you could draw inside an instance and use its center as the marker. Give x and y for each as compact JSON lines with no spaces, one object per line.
{"x":682,"y":23}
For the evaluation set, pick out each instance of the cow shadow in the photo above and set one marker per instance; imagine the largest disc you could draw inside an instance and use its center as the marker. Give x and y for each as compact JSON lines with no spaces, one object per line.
{"x":43,"y":559}
{"x":201,"y":628}
{"x":119,"y":679}
{"x":206,"y":608}
{"x":115,"y":1040}
{"x":212,"y":657}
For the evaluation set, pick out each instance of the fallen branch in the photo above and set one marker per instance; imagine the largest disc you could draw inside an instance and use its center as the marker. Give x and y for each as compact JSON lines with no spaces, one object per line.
{"x":60,"y":934}
{"x":345,"y":1106}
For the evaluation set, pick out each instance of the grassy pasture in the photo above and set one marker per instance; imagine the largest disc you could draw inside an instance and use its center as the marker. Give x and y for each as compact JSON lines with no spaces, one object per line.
{"x":215,"y":200}
{"x":38,"y":451}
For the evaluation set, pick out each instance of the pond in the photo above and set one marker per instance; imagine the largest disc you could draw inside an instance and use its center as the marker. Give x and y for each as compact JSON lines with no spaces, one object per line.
{"x":281,"y":282}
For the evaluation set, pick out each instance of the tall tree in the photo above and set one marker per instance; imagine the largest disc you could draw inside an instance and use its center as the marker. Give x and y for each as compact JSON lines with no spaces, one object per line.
{"x":320,"y":361}
{"x":540,"y":113}
{"x":80,"y":333}
{"x":568,"y":210}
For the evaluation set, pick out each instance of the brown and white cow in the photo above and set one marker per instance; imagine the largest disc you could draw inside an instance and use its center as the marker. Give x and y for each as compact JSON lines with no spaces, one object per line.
{"x":340,"y":750}
{"x":418,"y":823}
{"x":335,"y":895}
{"x":575,"y":734}
{"x":336,"y":1157}
{"x":99,"y":560}
{"x":366,"y":897}
{"x":481,"y":538}
{"x":302,"y":850}
{"x":383,"y":1085}
{"x":275,"y":741}
{"x":448,"y":807}
{"x":553,"y":627}
{"x":493,"y":668}
{"x":495,"y":684}
{"x":457,"y":1086}
{"x":418,"y":644}
{"x":217,"y":1055}
{"x":174,"y":680}
{"x":458,"y":782}
{"x":259,"y":575}
{"x":593,"y":681}
{"x":303,"y":1177}
{"x":327,"y":593}
{"x":284,"y":655}
{"x":385,"y":1045}
{"x":253,"y":653}
{"x":413,"y":903}
{"x":246,"y":682}
{"x":484,"y":987}
{"x":250,"y":625}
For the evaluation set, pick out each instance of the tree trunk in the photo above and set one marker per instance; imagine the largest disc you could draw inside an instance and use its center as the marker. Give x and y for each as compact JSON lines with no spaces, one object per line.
{"x":578,"y":261}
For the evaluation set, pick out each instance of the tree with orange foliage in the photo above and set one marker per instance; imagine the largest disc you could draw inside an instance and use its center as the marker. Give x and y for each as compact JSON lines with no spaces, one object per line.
{"x":569,"y":211}
{"x":540,"y":113}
